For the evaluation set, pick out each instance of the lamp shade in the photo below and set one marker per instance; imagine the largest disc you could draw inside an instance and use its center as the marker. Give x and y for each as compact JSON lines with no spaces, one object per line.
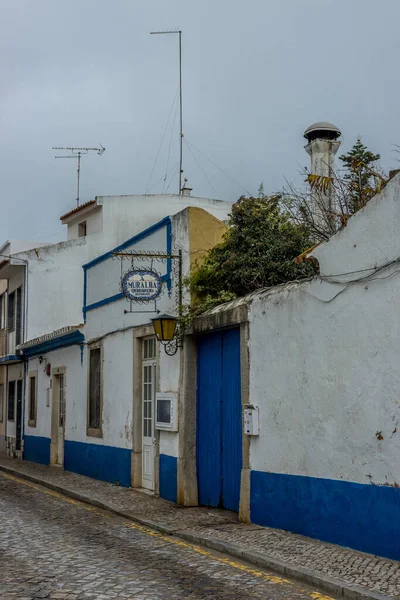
{"x":164,"y":327}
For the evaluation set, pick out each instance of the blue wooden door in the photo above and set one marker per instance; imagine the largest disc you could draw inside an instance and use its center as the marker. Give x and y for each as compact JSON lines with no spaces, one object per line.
{"x":219,"y":419}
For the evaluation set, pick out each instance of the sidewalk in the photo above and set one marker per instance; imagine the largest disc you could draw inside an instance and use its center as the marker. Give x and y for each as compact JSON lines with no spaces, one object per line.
{"x":338,"y":570}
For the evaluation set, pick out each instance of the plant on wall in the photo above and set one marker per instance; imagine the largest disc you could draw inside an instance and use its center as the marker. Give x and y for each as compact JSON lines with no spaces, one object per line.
{"x":258,"y":250}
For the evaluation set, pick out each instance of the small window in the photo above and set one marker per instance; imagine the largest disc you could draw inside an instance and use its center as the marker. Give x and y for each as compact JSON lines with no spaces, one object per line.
{"x":32,"y":408}
{"x":82,"y":229}
{"x":11,"y":401}
{"x":1,"y":402}
{"x":11,"y":312}
{"x":94,"y":400}
{"x":149,"y":348}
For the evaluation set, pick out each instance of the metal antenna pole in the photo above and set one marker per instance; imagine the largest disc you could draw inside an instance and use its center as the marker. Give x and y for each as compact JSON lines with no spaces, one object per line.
{"x":79,"y":176}
{"x":180,"y":102}
{"x":181,"y":115}
{"x":77,"y":153}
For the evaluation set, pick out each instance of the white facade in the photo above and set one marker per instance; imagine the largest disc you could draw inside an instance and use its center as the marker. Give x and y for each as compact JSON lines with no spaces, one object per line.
{"x":114,"y":450}
{"x":324,"y":373}
{"x":52,"y":283}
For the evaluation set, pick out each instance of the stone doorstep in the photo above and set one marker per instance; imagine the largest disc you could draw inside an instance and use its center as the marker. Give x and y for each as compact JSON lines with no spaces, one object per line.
{"x":259,"y":559}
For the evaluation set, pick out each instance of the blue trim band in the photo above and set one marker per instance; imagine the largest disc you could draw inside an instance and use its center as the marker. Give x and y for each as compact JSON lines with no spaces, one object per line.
{"x":169,"y":477}
{"x":107,"y":463}
{"x":136,"y":238}
{"x":62,"y":341}
{"x":37,"y":449}
{"x":116,"y":297}
{"x":10,"y":358}
{"x":166,"y":222}
{"x":365,"y":517}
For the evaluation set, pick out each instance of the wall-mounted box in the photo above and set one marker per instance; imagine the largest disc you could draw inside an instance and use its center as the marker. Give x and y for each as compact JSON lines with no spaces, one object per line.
{"x":251,"y":421}
{"x":167,"y":411}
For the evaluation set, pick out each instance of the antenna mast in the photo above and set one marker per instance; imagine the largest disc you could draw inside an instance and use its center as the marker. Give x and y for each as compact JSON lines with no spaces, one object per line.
{"x":180,"y":101}
{"x":77,"y":153}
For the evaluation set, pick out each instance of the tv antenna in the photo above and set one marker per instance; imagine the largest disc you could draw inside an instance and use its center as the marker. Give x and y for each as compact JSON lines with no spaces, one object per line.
{"x":78,"y":153}
{"x":172,"y":32}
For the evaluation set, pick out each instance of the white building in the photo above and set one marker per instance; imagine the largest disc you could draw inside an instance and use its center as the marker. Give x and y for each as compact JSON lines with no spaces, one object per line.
{"x":319,"y":362}
{"x":13,"y":318}
{"x":49,"y":287}
{"x":287,"y":400}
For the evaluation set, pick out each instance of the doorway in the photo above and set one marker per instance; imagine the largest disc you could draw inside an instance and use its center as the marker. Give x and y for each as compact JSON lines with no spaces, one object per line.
{"x":149,"y":372}
{"x":219,"y":419}
{"x":58,"y":417}
{"x":18,"y":418}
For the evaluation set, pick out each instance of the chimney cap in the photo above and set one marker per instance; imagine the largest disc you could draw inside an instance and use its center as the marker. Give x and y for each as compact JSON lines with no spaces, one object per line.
{"x":186,"y":189}
{"x":322,"y":129}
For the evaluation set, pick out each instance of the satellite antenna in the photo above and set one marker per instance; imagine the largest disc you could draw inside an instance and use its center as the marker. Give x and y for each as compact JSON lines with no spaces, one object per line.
{"x":172,"y":32}
{"x":77,"y":153}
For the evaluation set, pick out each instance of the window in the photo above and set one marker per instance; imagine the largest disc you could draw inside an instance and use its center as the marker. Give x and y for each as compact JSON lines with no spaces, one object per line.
{"x":2,"y":307}
{"x":61,"y":401}
{"x":82,"y":229}
{"x":149,"y":348}
{"x":1,"y":402}
{"x":94,"y":403}
{"x":11,"y":401}
{"x":18,"y":320}
{"x":32,"y":407}
{"x":11,"y":312}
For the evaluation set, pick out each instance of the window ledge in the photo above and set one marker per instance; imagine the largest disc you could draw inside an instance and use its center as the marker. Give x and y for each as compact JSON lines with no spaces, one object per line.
{"x":91,"y":432}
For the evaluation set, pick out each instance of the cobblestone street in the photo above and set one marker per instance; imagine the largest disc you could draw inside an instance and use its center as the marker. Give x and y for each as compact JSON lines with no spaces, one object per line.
{"x":55,"y":547}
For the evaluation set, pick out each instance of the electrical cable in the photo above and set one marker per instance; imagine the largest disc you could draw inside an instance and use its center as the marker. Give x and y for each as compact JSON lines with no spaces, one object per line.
{"x":219,"y":168}
{"x":171,"y":180}
{"x":162,"y":176}
{"x":328,"y":278}
{"x":200,"y":167}
{"x":169,"y":147}
{"x":162,"y":139}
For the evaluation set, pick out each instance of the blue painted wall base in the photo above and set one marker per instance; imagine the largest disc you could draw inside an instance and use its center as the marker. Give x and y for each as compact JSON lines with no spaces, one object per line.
{"x":37,"y":449}
{"x":169,"y":477}
{"x":361,"y":516}
{"x":100,"y":462}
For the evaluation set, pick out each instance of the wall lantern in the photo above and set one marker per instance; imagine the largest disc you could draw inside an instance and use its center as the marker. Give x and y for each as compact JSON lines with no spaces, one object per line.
{"x":167,"y":332}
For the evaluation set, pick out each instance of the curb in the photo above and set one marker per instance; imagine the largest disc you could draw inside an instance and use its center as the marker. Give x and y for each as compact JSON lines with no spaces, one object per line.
{"x":258,"y":559}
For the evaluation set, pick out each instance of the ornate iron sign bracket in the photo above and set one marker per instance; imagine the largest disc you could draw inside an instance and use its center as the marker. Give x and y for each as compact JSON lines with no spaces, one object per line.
{"x":130,"y":279}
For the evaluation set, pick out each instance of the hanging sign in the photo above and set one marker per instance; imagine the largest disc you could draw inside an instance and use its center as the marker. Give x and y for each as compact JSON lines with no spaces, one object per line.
{"x":141,"y":285}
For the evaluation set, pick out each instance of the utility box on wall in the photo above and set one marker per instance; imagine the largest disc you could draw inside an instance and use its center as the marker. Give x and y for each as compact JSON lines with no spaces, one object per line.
{"x":251,"y":426}
{"x":167,"y":411}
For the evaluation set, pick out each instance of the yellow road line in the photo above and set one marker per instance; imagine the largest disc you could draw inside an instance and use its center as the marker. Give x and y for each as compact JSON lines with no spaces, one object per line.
{"x":167,"y":538}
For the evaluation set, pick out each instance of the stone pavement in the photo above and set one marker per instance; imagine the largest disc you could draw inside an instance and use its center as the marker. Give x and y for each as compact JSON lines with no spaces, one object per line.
{"x":343,"y":571}
{"x":57,"y":548}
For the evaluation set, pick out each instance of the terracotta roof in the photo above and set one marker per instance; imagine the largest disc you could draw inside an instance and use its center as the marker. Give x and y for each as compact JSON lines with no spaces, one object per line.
{"x":77,"y":209}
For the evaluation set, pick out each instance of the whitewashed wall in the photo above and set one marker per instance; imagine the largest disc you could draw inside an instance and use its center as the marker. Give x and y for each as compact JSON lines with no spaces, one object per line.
{"x":75,"y":391}
{"x":325,"y":376}
{"x":93,"y":220}
{"x":122,"y":214}
{"x":324,"y":372}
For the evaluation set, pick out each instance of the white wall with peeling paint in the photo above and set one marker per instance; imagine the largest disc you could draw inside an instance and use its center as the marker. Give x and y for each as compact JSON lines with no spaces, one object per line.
{"x":324,"y":358}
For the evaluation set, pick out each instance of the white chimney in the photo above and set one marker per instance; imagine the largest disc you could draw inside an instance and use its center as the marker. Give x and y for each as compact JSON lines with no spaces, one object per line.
{"x":186,"y":190}
{"x":322,"y":147}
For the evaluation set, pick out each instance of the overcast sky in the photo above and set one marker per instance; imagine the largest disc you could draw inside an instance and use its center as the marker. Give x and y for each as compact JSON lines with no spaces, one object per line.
{"x":256,"y":73}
